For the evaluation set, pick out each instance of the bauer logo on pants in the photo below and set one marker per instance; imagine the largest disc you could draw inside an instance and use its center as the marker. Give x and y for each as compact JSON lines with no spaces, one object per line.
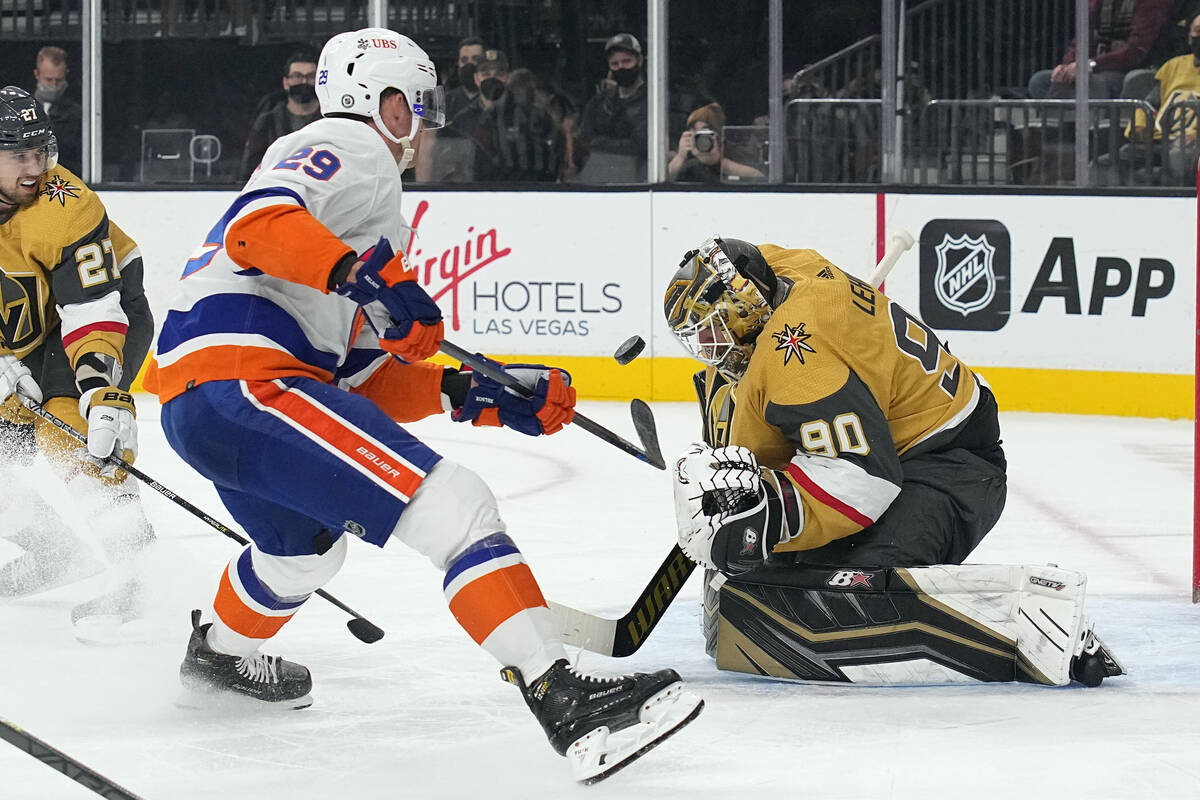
{"x":966,"y":274}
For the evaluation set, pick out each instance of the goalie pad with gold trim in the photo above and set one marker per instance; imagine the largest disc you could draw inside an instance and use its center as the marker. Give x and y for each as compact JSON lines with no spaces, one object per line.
{"x":918,"y":625}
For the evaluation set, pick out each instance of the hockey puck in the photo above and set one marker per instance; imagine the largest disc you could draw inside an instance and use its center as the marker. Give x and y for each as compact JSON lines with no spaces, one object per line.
{"x":629,"y":349}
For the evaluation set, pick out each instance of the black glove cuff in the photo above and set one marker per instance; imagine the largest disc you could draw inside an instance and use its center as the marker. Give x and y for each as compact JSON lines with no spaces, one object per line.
{"x":341,"y":270}
{"x":455,"y":386}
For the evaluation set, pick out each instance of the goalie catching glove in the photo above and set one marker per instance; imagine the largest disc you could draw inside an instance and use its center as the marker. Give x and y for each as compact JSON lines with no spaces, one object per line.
{"x":416,"y":327}
{"x":730,"y":514}
{"x":485,"y":402}
{"x":111,"y":429}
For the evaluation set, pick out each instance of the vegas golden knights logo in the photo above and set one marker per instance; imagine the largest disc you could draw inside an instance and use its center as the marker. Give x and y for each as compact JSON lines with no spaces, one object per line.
{"x":20,"y":322}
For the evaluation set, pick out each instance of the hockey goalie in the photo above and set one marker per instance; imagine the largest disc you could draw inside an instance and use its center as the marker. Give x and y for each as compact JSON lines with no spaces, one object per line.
{"x":850,"y":465}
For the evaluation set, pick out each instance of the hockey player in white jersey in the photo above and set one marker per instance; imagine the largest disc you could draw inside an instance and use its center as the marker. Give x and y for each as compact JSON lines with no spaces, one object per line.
{"x":294,"y":346}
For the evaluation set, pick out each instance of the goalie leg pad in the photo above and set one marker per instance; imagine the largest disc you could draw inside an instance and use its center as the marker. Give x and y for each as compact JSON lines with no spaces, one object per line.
{"x":940,"y":624}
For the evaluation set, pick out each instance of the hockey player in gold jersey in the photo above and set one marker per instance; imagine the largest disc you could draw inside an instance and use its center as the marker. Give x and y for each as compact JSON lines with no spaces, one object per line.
{"x":74,"y":323}
{"x":847,"y":452}
{"x":881,"y":446}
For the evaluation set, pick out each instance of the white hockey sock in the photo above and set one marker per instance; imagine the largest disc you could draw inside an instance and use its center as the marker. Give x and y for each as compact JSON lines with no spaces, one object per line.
{"x":527,"y":641}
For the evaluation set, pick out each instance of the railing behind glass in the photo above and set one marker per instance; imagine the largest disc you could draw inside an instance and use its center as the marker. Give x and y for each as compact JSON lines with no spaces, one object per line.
{"x":250,"y":20}
{"x":956,"y":49}
{"x":832,"y":140}
{"x":1028,"y":143}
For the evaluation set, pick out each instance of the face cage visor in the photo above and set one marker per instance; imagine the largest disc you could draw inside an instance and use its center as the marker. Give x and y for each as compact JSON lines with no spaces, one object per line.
{"x":29,"y":161}
{"x":710,"y":342}
{"x":429,"y":106}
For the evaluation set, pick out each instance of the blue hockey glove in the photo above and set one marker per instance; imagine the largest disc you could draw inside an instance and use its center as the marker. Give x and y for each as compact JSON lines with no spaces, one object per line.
{"x":384,"y":277}
{"x":550,"y":408}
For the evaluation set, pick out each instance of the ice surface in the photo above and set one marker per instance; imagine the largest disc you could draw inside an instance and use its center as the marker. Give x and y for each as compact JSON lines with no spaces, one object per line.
{"x":423,"y":713}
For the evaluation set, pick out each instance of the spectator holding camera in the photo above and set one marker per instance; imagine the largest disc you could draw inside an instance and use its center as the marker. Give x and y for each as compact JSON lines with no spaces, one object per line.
{"x":612,"y":140}
{"x":700,"y":157}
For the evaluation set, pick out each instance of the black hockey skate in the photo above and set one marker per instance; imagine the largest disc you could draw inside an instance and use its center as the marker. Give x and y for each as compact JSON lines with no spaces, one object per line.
{"x":603,"y":724}
{"x":1094,"y":662}
{"x":268,"y":679}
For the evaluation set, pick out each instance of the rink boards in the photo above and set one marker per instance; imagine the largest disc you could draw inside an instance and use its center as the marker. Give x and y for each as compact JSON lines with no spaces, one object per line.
{"x":1064,"y":303}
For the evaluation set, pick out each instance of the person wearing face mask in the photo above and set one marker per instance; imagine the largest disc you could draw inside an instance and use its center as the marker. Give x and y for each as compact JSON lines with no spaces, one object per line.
{"x":470,"y":53}
{"x":507,"y":135}
{"x":284,"y":112}
{"x":66,"y":115}
{"x":612,"y":141}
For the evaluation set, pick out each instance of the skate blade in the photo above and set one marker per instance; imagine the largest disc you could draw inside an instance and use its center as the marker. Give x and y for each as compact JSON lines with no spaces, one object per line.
{"x":598,"y":754}
{"x":112,"y":630}
{"x":205,"y":698}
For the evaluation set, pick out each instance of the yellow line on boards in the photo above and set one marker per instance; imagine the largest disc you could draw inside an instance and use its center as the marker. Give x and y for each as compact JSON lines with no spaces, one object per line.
{"x":1131,"y":394}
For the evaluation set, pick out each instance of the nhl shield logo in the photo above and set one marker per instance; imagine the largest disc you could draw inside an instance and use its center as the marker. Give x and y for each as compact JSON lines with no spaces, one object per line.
{"x":966,"y":278}
{"x":966,"y":274}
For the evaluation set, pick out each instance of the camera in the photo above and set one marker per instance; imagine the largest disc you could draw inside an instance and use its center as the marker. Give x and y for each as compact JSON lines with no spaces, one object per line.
{"x":705,"y":140}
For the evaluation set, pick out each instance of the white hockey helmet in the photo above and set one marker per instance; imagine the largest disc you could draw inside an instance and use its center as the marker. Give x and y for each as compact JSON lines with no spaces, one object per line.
{"x":357,"y":66}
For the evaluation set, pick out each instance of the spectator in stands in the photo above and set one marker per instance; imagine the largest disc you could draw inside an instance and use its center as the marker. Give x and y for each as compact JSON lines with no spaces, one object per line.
{"x":290,"y":111}
{"x":66,"y":115}
{"x":511,"y":137}
{"x":470,"y":53}
{"x":700,"y":157}
{"x":436,"y":159}
{"x":612,"y":138}
{"x":1123,"y":38}
{"x":1176,"y":98}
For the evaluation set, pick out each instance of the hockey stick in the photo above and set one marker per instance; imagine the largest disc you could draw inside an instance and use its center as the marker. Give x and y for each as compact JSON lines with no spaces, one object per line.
{"x":649,"y":452}
{"x":623,"y":636}
{"x":363,"y":629}
{"x":57,"y":759}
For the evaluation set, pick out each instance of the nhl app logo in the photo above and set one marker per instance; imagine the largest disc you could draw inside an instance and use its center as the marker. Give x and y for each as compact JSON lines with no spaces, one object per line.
{"x":966,"y":274}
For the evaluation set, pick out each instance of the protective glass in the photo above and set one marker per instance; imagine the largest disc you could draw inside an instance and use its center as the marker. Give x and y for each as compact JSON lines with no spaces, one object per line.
{"x":430,"y":106}
{"x":29,"y":161}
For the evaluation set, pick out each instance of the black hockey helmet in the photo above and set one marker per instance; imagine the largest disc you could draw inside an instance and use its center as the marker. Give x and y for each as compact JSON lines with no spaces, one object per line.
{"x":24,"y":124}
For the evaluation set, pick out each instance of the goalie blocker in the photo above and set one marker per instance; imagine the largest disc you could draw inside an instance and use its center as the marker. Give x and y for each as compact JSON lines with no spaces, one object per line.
{"x":917,"y":625}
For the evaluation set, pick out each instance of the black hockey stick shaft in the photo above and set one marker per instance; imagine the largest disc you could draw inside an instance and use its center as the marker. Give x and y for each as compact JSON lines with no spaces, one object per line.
{"x":56,"y":759}
{"x":650,"y":454}
{"x":363,"y":629}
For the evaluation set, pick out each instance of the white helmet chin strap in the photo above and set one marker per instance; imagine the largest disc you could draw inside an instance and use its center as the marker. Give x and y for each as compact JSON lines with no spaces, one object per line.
{"x":403,"y":141}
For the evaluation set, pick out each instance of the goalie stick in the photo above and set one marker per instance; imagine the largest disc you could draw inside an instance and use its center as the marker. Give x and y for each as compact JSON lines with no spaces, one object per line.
{"x":56,"y":759}
{"x":622,"y":637}
{"x":362,"y":629}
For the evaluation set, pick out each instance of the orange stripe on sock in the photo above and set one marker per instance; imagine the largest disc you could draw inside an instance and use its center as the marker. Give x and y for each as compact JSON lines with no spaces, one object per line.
{"x":487,"y":601}
{"x":241,"y":618}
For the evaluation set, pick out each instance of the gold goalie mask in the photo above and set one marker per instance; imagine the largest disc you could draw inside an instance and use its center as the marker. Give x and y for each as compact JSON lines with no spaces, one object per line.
{"x":717,"y":303}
